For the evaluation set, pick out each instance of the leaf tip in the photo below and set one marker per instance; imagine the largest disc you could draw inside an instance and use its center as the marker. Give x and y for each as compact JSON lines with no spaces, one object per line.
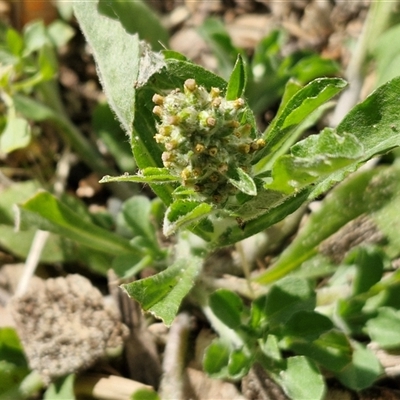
{"x":105,"y":179}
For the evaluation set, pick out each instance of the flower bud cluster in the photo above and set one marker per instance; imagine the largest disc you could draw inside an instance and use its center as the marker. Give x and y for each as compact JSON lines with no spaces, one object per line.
{"x":204,"y":135}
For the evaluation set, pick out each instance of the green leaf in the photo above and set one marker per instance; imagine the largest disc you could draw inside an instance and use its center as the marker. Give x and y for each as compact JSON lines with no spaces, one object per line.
{"x":386,"y":55}
{"x":350,"y":313}
{"x":369,"y":263}
{"x":302,"y":104}
{"x":270,"y":347}
{"x":216,"y":359}
{"x":361,"y":193}
{"x":162,"y":294}
{"x":291,"y":88}
{"x":16,"y":135}
{"x":305,"y":101}
{"x":227,"y":306}
{"x":14,"y":42}
{"x":16,"y":193}
{"x":10,"y":346}
{"x":238,"y":178}
{"x":385,"y":327}
{"x":137,"y":214}
{"x":308,"y":325}
{"x":117,"y":55}
{"x":137,"y":17}
{"x":56,"y":250}
{"x":374,"y":122}
{"x":302,"y":380}
{"x":46,"y":212}
{"x":363,"y":371}
{"x":13,"y":366}
{"x":287,"y":297}
{"x":258,"y":318}
{"x":32,"y":109}
{"x":182,"y":213}
{"x":331,"y":350}
{"x":228,"y":231}
{"x":313,"y":67}
{"x":237,"y":80}
{"x":269,"y":72}
{"x":61,"y":389}
{"x":60,"y":32}
{"x":145,"y":394}
{"x":148,"y":175}
{"x":239,"y":364}
{"x":35,"y":37}
{"x":313,"y":159}
{"x":109,"y":130}
{"x":47,"y":63}
{"x":257,"y":205}
{"x":128,"y":265}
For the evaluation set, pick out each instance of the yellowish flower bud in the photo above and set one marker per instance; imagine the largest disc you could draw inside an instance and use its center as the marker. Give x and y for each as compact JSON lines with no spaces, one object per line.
{"x":212,"y":151}
{"x":158,"y":111}
{"x":158,"y":99}
{"x":190,"y":84}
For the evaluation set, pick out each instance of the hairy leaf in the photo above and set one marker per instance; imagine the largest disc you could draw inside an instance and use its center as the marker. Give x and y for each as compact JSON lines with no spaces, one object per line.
{"x":162,"y":294}
{"x":302,"y":379}
{"x":137,"y":17}
{"x":227,"y":306}
{"x":47,"y":213}
{"x":363,"y":371}
{"x":384,"y":328}
{"x":237,"y":80}
{"x":183,"y":213}
{"x":117,"y":55}
{"x":362,"y":193}
{"x":303,"y":102}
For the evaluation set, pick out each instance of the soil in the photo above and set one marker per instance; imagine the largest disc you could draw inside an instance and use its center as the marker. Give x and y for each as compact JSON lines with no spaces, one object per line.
{"x":327,"y":27}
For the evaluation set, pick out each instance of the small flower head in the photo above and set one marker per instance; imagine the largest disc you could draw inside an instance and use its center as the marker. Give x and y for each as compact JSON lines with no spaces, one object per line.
{"x":204,"y":136}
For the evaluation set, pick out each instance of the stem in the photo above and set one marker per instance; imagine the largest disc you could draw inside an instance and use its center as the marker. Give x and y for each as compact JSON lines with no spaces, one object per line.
{"x":38,"y":243}
{"x":106,"y":387}
{"x":172,"y":383}
{"x":201,"y":295}
{"x":245,"y":266}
